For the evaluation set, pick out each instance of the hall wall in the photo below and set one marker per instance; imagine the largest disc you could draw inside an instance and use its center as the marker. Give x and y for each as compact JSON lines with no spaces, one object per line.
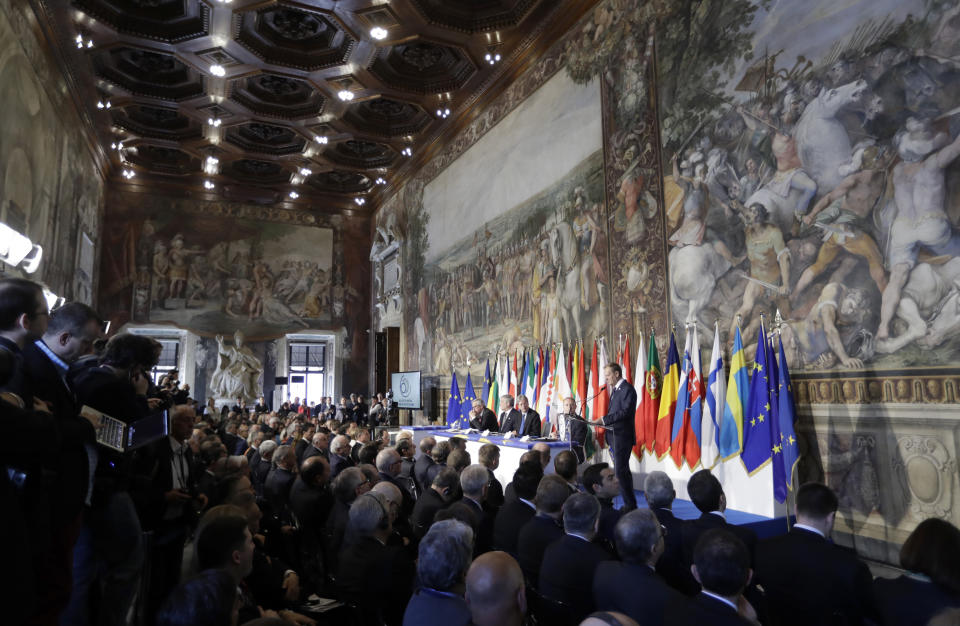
{"x":50,"y":187}
{"x":722,"y":84}
{"x":214,"y":267}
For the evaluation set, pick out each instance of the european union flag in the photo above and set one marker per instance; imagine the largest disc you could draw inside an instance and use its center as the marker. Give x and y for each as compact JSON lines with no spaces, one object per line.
{"x":453,"y":407}
{"x":467,"y":404}
{"x":757,"y":422}
{"x":785,"y":451}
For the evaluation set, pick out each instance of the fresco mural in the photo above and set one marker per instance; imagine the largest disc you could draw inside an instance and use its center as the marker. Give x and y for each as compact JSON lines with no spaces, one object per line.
{"x":810,"y":168}
{"x":522,"y":262}
{"x":50,"y":189}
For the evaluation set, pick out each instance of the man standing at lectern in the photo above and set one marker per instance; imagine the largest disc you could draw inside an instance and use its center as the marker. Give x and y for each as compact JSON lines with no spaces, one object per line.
{"x":620,"y":414}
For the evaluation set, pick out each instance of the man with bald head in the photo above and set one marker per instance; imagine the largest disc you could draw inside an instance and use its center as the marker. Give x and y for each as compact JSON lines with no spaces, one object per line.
{"x":319,"y":446}
{"x":311,"y":501}
{"x":496,"y":594}
{"x":423,"y":463}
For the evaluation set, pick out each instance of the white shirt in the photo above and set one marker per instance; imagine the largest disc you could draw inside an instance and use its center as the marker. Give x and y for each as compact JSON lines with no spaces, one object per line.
{"x":720,"y":598}
{"x":180,"y":470}
{"x":810,"y":528}
{"x":619,"y":382}
{"x":579,"y":537}
{"x":528,"y":503}
{"x":720,"y":513}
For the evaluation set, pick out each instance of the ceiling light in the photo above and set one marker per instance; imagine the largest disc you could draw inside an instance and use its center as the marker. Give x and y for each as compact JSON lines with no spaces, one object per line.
{"x":208,"y":184}
{"x":17,"y":249}
{"x":444,"y":113}
{"x":378,"y":33}
{"x":492,"y":58}
{"x":360,"y":201}
{"x":381,"y":181}
{"x":103,"y":104}
{"x":211,"y":165}
{"x":218,"y":70}
{"x":214,"y":121}
{"x":305,"y":171}
{"x":128,"y":174}
{"x":294,"y":195}
{"x":224,"y":1}
{"x":345,"y":95}
{"x":320,"y":139}
{"x":407,"y":152}
{"x":90,"y":43}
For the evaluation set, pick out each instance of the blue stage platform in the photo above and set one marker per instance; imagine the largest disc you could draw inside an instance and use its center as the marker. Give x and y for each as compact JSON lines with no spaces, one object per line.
{"x":684,"y":509}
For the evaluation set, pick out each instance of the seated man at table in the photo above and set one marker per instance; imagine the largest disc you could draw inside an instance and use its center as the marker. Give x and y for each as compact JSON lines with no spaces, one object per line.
{"x":482,"y":418}
{"x":529,"y":422}
{"x":509,"y":417}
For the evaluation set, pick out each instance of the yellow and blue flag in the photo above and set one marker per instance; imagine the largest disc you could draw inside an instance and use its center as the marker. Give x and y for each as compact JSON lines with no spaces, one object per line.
{"x":668,"y":401}
{"x":730,"y":437}
{"x":757,"y":419}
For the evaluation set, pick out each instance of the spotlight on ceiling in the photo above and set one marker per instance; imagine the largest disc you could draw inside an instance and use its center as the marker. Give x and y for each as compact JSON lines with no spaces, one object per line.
{"x":443,"y":113}
{"x":345,"y":95}
{"x":214,"y":121}
{"x":492,"y":58}
{"x":128,"y":174}
{"x":360,"y":201}
{"x":208,"y":184}
{"x":211,"y":165}
{"x":294,"y":195}
{"x":381,"y":181}
{"x":218,"y":70}
{"x":103,"y":104}
{"x":305,"y":171}
{"x":378,"y":33}
{"x":321,"y":139}
{"x":407,"y":151}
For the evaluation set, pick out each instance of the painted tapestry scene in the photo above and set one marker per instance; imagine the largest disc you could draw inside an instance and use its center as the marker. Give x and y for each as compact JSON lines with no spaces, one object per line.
{"x":810,"y":167}
{"x":518,"y":257}
{"x":262,"y":278}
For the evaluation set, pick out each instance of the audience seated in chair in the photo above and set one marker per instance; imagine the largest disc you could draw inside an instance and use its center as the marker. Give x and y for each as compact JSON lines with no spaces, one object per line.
{"x":495,"y":593}
{"x":445,"y":554}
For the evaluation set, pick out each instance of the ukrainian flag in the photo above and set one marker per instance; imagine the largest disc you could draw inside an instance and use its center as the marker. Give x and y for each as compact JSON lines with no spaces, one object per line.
{"x":738,"y":388}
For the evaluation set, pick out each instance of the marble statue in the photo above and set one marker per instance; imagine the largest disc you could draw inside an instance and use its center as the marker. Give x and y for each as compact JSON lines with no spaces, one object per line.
{"x":237,"y":373}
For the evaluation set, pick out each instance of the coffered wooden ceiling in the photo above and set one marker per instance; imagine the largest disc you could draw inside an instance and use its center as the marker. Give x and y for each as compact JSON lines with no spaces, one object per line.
{"x":283,"y":126}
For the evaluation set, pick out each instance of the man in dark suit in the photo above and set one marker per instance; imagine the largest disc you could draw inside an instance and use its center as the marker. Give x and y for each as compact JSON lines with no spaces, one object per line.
{"x":482,"y":418}
{"x":279,"y":481}
{"x":706,"y":493}
{"x":529,"y":423}
{"x":389,"y":463}
{"x":259,"y":471}
{"x":474,"y":485}
{"x":576,"y":427}
{"x":545,"y":527}
{"x":620,"y":416}
{"x":630,"y":585}
{"x":660,"y":494}
{"x":311,"y":501}
{"x":599,"y":480}
{"x":319,"y":446}
{"x":372,"y":575}
{"x":804,"y":564}
{"x":721,"y":564}
{"x":304,"y":442}
{"x":423,"y":463}
{"x":168,"y":505}
{"x":509,"y":420}
{"x":489,"y":457}
{"x":340,"y":455}
{"x":570,"y":562}
{"x":444,"y":557}
{"x":442,"y":491}
{"x":514,"y":515}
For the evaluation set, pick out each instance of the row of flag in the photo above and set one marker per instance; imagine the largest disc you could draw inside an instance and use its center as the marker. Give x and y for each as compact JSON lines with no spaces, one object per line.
{"x":694,"y":421}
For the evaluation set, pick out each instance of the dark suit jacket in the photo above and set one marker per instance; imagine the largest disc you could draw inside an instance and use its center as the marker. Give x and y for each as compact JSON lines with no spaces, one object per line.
{"x":486,"y":421}
{"x":486,"y":518}
{"x":506,"y":529}
{"x":671,"y":566}
{"x":620,"y":415}
{"x":300,"y":449}
{"x":692,"y":529}
{"x":535,"y":536}
{"x":531,"y":426}
{"x":276,"y":489}
{"x":376,"y":578}
{"x":423,"y":511}
{"x":70,"y":463}
{"x":406,"y":507}
{"x":801,"y":565}
{"x":310,"y":451}
{"x":339,"y":463}
{"x":432,"y":472}
{"x":609,"y":517}
{"x":494,"y":493}
{"x":702,"y":610}
{"x":258,"y":474}
{"x":429,"y":607}
{"x":153,"y":463}
{"x":420,"y":466}
{"x":906,"y":601}
{"x":634,"y":590}
{"x":509,"y":422}
{"x":311,"y":505}
{"x":566,"y":573}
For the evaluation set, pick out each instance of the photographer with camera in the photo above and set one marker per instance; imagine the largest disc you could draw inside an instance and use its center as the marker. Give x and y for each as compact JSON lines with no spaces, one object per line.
{"x":169,"y":503}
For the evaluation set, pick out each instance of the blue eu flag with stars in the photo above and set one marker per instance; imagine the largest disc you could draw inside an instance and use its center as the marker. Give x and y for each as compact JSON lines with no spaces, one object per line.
{"x":785,"y":451}
{"x":453,"y":407}
{"x":757,"y":422}
{"x":468,"y":397}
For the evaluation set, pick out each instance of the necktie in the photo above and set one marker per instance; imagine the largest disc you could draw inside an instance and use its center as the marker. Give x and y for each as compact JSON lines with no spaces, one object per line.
{"x":523,"y":420}
{"x":503,"y":417}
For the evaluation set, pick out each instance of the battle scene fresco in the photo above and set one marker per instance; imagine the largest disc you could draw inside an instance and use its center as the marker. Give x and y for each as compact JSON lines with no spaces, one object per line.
{"x":809,"y":164}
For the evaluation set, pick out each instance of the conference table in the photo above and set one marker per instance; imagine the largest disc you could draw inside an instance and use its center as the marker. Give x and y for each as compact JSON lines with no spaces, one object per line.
{"x":510,"y":449}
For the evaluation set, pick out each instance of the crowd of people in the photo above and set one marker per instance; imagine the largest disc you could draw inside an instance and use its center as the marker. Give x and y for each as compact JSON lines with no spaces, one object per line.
{"x":310,"y":514}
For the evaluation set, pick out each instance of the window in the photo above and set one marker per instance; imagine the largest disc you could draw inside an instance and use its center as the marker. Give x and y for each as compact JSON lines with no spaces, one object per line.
{"x":169,"y":359}
{"x":306,"y":372}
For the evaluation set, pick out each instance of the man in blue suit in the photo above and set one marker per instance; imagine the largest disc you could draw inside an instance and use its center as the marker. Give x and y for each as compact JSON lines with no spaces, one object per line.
{"x":620,"y":416}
